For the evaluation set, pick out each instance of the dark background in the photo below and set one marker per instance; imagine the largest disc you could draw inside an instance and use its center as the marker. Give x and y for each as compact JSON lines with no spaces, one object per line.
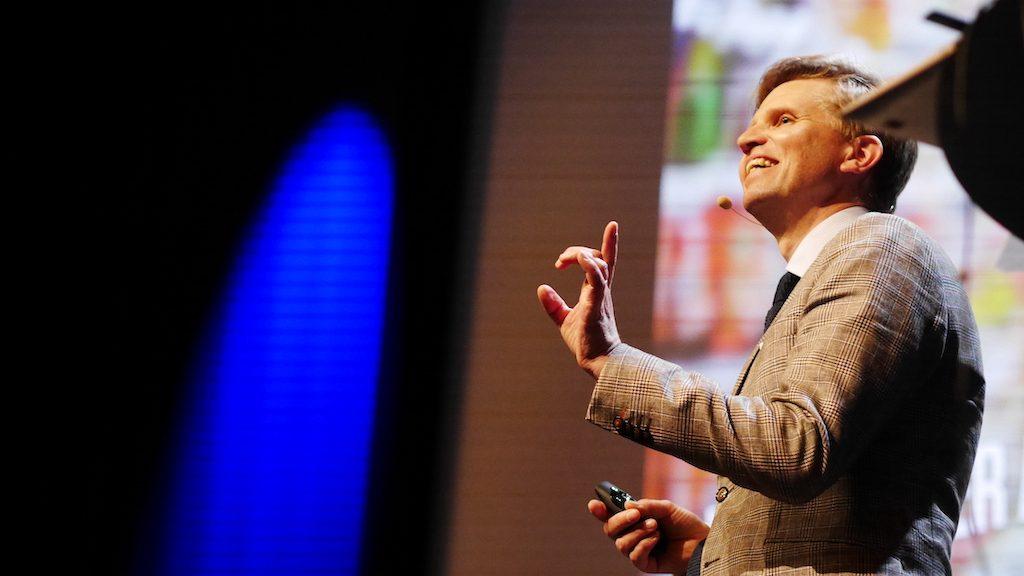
{"x":174,"y":119}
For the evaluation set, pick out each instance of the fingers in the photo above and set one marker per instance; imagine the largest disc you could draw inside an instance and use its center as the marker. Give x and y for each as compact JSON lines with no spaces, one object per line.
{"x":633,"y":538}
{"x":595,"y":269}
{"x":610,"y":247}
{"x":675,"y":521}
{"x":618,"y":523}
{"x":653,"y":508}
{"x":641,"y":553}
{"x":628,"y":542}
{"x":568,"y":258}
{"x":604,"y":258}
{"x":553,"y":304}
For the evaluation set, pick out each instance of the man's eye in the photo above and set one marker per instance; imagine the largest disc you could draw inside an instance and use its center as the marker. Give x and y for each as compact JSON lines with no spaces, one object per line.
{"x":785,"y":119}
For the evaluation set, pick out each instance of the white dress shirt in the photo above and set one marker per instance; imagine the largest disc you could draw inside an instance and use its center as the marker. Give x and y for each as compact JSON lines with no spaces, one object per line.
{"x":811,"y":244}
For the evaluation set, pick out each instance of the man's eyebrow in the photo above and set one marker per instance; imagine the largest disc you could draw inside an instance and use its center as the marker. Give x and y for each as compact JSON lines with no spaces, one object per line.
{"x":770,"y":112}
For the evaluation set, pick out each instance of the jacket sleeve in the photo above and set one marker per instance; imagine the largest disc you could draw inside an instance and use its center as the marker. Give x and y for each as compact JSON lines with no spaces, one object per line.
{"x":869,"y":329}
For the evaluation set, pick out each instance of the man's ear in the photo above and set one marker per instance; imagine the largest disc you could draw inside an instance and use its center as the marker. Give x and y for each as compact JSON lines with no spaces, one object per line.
{"x":865,"y":151}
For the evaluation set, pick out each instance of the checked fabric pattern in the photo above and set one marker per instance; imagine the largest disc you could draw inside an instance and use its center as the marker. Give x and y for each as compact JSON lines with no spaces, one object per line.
{"x":846,"y":443}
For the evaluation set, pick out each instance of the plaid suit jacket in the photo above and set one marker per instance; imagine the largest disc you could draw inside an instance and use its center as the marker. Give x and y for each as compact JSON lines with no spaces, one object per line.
{"x":846,"y":444}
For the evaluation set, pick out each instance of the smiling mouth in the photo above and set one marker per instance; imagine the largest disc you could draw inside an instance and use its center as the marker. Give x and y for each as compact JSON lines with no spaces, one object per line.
{"x":759,"y":163}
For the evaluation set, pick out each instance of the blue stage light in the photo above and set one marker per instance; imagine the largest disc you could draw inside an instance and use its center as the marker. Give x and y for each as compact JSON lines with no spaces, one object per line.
{"x":271,"y":469}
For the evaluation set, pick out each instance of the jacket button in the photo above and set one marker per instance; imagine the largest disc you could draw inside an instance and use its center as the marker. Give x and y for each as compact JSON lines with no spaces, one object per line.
{"x":622,"y":423}
{"x":721,"y":494}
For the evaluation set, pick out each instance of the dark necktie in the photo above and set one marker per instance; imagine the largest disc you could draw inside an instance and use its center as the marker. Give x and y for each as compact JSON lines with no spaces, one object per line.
{"x":693,"y":567}
{"x":786,"y":285}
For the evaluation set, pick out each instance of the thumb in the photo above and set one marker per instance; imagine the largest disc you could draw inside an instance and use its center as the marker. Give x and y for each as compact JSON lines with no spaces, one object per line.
{"x":652,"y":508}
{"x":675,"y":521}
{"x":552,"y":303}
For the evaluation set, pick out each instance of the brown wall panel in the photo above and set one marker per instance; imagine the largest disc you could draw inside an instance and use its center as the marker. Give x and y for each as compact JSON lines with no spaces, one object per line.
{"x":576,"y":140}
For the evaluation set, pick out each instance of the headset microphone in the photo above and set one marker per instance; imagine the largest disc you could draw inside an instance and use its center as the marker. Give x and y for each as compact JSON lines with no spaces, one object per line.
{"x":725,"y":203}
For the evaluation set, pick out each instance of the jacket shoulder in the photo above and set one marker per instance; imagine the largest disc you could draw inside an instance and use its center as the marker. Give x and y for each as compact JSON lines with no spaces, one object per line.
{"x":888,"y":241}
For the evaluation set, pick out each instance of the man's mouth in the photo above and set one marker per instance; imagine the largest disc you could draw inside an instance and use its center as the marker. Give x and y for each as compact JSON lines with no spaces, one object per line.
{"x":759,"y":163}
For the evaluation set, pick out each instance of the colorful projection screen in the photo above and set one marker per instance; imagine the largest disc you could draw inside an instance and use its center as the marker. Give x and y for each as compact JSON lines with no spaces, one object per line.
{"x":716,"y":272}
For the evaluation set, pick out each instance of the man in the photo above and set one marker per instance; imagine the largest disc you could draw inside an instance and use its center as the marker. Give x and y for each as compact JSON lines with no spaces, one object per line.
{"x":846,"y":444}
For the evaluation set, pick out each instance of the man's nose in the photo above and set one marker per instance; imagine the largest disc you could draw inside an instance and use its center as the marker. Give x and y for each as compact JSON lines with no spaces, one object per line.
{"x":750,"y":138}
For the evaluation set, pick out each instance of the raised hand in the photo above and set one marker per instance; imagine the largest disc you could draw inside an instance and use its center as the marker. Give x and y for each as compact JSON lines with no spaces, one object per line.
{"x":656,"y":535}
{"x":588,"y":328}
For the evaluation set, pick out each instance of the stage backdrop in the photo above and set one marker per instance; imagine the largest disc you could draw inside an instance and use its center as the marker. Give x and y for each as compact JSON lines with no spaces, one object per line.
{"x":716,"y":272}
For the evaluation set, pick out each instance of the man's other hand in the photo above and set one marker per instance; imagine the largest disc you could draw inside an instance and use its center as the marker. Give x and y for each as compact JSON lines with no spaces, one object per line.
{"x":656,"y":535}
{"x":588,"y":328}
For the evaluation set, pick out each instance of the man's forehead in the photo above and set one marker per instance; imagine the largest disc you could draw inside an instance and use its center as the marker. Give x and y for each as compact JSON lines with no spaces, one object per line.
{"x":809,"y":93}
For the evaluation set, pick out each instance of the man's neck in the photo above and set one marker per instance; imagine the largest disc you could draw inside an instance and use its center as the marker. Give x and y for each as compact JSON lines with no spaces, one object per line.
{"x":790,"y":238}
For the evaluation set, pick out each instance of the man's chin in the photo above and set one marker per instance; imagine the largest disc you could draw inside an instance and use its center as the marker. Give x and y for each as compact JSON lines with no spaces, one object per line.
{"x":767,"y":206}
{"x":756,"y":200}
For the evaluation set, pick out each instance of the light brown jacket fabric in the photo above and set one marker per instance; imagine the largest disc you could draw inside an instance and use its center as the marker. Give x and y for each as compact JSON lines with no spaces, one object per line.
{"x":847,"y":441}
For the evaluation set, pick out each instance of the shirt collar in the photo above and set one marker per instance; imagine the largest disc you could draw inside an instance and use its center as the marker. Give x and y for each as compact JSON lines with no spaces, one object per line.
{"x":811,"y":244}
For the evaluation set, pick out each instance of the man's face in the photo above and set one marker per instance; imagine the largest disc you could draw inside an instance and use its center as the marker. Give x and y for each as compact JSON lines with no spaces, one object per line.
{"x":792,"y":151}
